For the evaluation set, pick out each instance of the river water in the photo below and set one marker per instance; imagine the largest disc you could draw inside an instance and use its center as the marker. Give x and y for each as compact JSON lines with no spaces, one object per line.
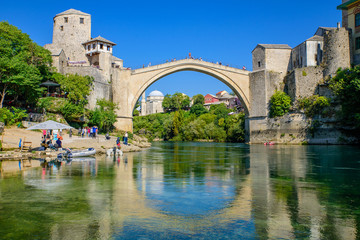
{"x":187,"y":191}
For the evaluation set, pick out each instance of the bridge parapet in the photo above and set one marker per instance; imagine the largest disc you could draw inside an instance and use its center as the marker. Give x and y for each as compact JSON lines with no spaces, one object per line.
{"x":192,"y":62}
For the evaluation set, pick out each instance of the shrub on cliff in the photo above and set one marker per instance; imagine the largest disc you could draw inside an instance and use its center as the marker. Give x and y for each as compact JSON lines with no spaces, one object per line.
{"x":280,"y":104}
{"x":346,"y":86}
{"x":313,"y":105}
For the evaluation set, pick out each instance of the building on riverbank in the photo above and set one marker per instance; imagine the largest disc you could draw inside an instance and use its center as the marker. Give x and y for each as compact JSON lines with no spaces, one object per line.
{"x":301,"y":72}
{"x":351,"y":21}
{"x":231,"y":101}
{"x":75,"y":51}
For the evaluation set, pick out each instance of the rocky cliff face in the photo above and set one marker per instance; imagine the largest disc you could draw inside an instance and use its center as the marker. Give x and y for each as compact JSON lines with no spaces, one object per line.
{"x":296,"y":128}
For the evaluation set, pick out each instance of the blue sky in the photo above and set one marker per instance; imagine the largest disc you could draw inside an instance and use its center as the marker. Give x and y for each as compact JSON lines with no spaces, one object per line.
{"x":154,"y":31}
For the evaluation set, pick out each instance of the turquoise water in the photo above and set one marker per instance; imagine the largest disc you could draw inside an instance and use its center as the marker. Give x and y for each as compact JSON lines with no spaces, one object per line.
{"x":187,"y":191}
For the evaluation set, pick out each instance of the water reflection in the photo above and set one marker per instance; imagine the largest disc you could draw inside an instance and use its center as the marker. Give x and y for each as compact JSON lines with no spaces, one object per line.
{"x":187,"y":190}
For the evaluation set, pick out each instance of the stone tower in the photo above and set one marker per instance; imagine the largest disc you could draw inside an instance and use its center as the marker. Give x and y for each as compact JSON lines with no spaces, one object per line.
{"x":337,"y":51}
{"x":71,"y":29}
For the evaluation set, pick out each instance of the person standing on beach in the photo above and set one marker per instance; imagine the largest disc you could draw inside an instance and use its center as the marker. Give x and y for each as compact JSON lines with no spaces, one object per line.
{"x":126,"y":138}
{"x":44,"y":133}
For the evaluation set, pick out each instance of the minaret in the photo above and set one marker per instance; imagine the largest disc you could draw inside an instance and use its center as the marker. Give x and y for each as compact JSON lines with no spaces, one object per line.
{"x":143,"y":104}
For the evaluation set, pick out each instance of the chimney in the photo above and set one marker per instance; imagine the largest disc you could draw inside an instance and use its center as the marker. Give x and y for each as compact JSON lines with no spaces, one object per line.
{"x":338,"y":25}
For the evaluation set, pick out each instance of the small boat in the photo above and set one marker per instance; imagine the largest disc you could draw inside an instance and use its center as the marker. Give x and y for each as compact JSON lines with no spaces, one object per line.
{"x":78,"y":153}
{"x":269,"y":143}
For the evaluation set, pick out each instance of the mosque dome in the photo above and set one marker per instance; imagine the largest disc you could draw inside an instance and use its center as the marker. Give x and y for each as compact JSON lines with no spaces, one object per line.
{"x":156,"y":93}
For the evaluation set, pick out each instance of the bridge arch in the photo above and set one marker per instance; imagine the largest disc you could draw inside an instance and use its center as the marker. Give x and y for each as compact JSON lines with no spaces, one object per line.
{"x":137,"y":81}
{"x":196,"y":68}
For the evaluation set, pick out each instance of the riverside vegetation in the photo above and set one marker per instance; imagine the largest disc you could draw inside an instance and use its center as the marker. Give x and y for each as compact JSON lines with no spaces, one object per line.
{"x":182,"y":123}
{"x":24,"y":65}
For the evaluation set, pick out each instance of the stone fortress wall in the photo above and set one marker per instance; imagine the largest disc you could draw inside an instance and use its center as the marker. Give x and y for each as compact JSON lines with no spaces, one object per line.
{"x":298,"y":83}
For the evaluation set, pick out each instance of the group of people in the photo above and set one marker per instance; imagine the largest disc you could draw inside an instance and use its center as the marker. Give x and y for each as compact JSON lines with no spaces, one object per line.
{"x":52,"y":135}
{"x":88,"y":132}
{"x":125,"y":140}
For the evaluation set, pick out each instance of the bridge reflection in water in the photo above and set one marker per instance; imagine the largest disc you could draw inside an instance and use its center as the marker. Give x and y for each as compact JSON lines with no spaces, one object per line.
{"x":253,"y":192}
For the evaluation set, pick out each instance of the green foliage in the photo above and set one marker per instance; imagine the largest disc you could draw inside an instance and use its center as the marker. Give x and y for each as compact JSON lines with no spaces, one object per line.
{"x":78,"y":87}
{"x":220,"y":110}
{"x":313,"y":105}
{"x":198,"y":99}
{"x":72,"y":112}
{"x":346,"y":86}
{"x":198,"y":109}
{"x":304,"y":73}
{"x":51,"y":104}
{"x":12,"y":117}
{"x":280,"y":104}
{"x":23,"y":65}
{"x":104,"y":115}
{"x":185,"y":126}
{"x":176,"y":102}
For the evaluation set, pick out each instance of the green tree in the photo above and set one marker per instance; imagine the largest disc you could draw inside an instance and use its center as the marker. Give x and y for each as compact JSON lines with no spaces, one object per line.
{"x":166,"y":104}
{"x":176,"y":102}
{"x":280,"y":104}
{"x":198,"y":109}
{"x":215,"y":133}
{"x":104,"y":115}
{"x":13,"y":117}
{"x":23,"y":65}
{"x":346,"y":86}
{"x":198,"y":99}
{"x":178,"y":119}
{"x":77,"y":87}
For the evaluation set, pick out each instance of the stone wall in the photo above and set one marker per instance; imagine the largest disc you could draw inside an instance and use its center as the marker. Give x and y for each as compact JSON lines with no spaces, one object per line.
{"x":101,"y":86}
{"x":303,"y":82}
{"x":295,"y":128}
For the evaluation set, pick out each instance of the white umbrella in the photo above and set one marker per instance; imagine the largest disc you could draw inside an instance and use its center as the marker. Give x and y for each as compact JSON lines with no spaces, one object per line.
{"x":51,"y":125}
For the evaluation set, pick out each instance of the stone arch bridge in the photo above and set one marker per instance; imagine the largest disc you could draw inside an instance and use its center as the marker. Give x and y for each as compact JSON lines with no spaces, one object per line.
{"x":129,"y":85}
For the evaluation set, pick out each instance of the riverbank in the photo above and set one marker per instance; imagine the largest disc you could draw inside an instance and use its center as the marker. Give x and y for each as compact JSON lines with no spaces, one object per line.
{"x":11,"y":137}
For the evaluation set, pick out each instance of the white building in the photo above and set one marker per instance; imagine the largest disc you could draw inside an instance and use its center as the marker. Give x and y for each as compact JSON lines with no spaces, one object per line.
{"x":152,"y":104}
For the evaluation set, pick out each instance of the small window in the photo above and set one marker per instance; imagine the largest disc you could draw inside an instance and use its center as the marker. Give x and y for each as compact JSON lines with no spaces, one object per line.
{"x":66,"y":19}
{"x":101,"y":46}
{"x":357,"y":43}
{"x":94,"y":46}
{"x":89,"y":46}
{"x":61,"y":28}
{"x":108,"y":48}
{"x":81,"y":20}
{"x":357,"y":20}
{"x":259,"y":64}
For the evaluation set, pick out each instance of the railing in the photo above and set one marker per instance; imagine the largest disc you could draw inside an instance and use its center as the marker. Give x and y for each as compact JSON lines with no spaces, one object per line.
{"x":151,"y":64}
